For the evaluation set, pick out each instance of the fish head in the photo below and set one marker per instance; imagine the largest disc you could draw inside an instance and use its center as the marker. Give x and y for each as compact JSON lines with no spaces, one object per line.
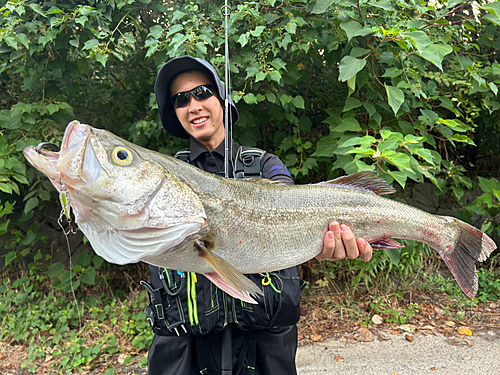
{"x":128,"y":204}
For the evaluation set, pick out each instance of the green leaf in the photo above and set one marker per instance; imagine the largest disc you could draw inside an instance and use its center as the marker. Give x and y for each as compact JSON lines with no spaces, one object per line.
{"x":258,"y":31}
{"x":395,"y":98}
{"x":354,"y":141}
{"x":493,"y":8}
{"x":177,"y":16}
{"x":400,"y":160}
{"x":435,"y":53}
{"x":55,"y":270}
{"x":349,"y":67}
{"x":260,"y":76}
{"x":394,"y":255}
{"x":347,"y":124}
{"x":23,"y":39}
{"x":102,"y":58}
{"x":298,"y":102}
{"x":418,"y":39}
{"x":271,"y":97}
{"x":278,"y":64}
{"x":156,"y":31}
{"x":81,"y":20}
{"x":400,"y":177}
{"x":463,"y":138}
{"x":284,"y":99}
{"x":31,"y":204}
{"x":383,"y":4}
{"x":173,"y":30}
{"x":493,"y":88}
{"x":321,"y":6}
{"x":326,"y":146}
{"x":243,"y":39}
{"x":52,"y":108}
{"x":425,"y":154}
{"x":456,"y":125}
{"x":202,"y":47}
{"x":494,"y":20}
{"x":84,"y":259}
{"x":291,"y":27}
{"x":89,"y":276}
{"x":274,"y":76}
{"x":37,"y":9}
{"x":54,"y":10}
{"x":89,"y":44}
{"x":392,"y":73}
{"x":488,"y":185}
{"x":9,"y":257}
{"x":353,"y":28}
{"x":250,"y":98}
{"x":4,"y":147}
{"x":351,"y":103}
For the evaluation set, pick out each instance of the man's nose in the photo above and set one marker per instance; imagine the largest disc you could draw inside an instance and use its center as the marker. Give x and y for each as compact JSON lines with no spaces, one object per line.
{"x":194,"y":104}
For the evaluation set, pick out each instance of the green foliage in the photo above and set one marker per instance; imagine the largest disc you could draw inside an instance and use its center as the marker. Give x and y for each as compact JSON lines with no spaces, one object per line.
{"x":385,"y":268}
{"x":393,"y":315}
{"x":489,"y":287}
{"x":487,"y":203}
{"x":51,"y":323}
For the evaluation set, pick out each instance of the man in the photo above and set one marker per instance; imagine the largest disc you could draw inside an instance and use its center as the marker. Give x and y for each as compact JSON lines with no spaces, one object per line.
{"x":199,"y":329}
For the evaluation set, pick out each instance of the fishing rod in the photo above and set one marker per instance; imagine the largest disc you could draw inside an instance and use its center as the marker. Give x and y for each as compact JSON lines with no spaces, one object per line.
{"x":226,"y":345}
{"x":226,"y":11}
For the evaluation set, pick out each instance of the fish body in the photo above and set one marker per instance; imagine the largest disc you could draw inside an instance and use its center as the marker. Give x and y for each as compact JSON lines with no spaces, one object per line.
{"x":135,"y":204}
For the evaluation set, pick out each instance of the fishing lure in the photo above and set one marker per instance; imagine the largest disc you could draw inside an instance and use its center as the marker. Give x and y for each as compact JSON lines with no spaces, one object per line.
{"x":64,"y":200}
{"x":66,"y":208}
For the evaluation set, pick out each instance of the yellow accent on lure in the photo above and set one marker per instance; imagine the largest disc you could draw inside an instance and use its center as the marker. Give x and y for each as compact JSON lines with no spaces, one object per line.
{"x":64,"y":199}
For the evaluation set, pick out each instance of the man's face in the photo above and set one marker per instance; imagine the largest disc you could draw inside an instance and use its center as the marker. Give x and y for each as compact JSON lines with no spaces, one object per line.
{"x":203,"y":119}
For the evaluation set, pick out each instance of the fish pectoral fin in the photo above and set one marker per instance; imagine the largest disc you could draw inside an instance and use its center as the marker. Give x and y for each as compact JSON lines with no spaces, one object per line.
{"x":228,"y":278}
{"x":228,"y":288}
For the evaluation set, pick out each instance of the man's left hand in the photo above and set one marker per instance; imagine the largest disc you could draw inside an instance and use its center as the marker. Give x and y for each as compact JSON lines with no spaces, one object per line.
{"x":339,"y":242}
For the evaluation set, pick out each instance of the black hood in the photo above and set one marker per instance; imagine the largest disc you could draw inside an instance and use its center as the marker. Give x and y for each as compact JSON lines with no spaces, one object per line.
{"x":162,"y":91}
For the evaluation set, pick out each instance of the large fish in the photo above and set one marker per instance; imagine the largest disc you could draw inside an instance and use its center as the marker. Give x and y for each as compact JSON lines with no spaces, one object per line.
{"x":135,"y":204}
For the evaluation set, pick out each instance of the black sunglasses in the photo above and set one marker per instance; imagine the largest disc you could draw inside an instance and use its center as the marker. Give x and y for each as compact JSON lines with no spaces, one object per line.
{"x":202,"y":92}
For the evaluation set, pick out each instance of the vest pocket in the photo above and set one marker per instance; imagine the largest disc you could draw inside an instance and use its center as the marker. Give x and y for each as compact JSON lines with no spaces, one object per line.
{"x":181,"y":303}
{"x":280,"y":305}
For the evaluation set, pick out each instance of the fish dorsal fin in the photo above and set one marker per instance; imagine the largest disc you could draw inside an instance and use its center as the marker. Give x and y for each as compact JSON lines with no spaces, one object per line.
{"x":365,"y":180}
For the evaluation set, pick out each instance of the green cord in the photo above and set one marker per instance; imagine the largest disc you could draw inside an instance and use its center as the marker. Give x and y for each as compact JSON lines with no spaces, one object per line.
{"x":270,"y":282}
{"x":193,"y":296}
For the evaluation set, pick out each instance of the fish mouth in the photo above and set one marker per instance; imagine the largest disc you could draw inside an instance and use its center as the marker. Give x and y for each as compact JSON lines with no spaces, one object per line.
{"x":74,"y":160}
{"x":44,"y":157}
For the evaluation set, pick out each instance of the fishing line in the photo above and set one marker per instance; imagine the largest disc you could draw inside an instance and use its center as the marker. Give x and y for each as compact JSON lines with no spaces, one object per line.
{"x":66,"y":212}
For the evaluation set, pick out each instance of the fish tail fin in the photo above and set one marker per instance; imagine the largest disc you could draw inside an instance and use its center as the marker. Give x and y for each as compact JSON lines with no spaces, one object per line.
{"x":471,"y":245}
{"x":228,"y":278}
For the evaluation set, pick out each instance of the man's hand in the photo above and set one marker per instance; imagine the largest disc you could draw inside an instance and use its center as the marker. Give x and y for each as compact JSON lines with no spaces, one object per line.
{"x":339,"y":242}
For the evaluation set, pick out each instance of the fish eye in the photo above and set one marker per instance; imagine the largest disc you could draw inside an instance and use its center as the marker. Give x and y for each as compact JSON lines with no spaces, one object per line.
{"x":122,"y":156}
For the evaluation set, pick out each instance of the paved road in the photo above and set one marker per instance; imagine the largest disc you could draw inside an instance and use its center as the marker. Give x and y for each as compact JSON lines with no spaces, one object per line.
{"x":427,"y":354}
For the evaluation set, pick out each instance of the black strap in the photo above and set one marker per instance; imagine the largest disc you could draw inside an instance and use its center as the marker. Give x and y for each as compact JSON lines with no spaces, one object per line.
{"x":252,"y":354}
{"x":226,"y":355}
{"x":206,"y":362}
{"x":248,"y":162}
